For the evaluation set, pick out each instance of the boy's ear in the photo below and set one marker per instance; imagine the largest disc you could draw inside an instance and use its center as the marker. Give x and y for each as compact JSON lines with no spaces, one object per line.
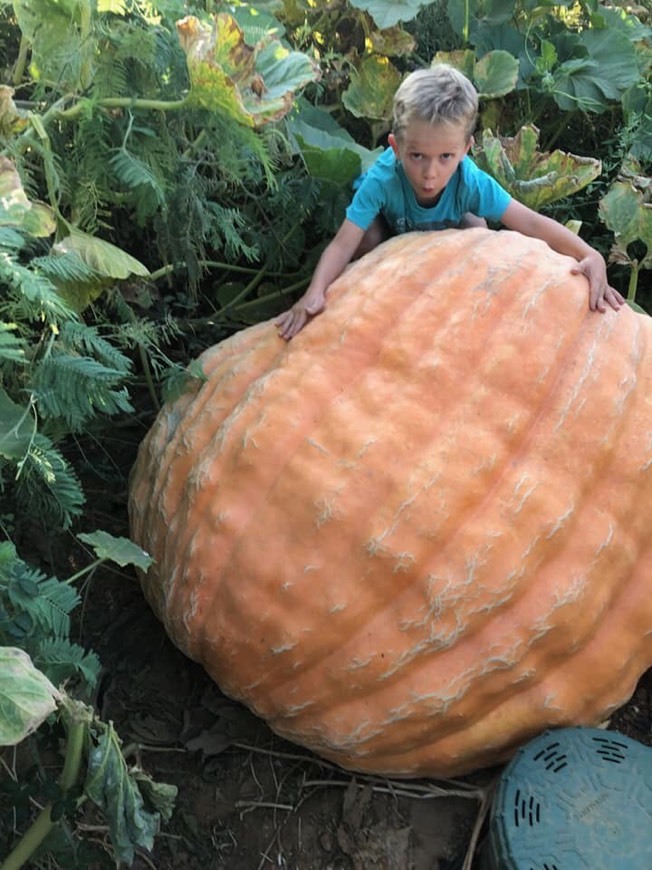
{"x":470,"y":144}
{"x":391,"y":139}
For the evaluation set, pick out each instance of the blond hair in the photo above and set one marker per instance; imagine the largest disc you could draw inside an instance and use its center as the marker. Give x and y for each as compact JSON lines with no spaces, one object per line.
{"x":441,"y":94}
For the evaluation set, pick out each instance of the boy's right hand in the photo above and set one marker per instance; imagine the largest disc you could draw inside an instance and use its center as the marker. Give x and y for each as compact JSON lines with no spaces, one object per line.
{"x":293,"y":320}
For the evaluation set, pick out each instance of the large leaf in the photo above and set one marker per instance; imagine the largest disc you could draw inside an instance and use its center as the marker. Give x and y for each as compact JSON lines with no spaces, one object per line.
{"x":62,"y":49}
{"x":594,"y":82}
{"x":627,"y":210}
{"x":535,"y":178}
{"x":122,"y":551}
{"x":329,"y":151}
{"x":372,"y":89}
{"x":27,"y":697}
{"x":494,"y":75}
{"x":386,"y":13}
{"x":16,"y":210}
{"x":102,"y":257}
{"x":253,"y":85}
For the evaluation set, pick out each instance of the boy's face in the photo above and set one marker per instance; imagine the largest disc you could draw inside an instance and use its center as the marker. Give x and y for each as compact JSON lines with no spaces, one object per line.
{"x":430,"y":154}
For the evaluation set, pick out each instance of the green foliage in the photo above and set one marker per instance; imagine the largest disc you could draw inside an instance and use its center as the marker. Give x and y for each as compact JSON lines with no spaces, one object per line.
{"x":36,"y":657}
{"x":35,"y":617}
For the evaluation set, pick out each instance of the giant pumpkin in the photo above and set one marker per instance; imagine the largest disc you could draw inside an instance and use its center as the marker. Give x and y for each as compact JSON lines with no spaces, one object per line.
{"x":417,"y":534}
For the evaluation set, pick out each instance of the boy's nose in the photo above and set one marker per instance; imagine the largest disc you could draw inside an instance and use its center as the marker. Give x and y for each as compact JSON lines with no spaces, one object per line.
{"x":430,"y":170}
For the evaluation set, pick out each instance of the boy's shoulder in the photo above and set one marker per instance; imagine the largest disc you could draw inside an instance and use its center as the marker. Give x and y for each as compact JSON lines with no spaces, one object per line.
{"x":384,"y":164}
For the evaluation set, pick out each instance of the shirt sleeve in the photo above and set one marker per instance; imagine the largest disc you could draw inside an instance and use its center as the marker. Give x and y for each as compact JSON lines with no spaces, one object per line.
{"x":485,"y":197}
{"x":367,"y":202}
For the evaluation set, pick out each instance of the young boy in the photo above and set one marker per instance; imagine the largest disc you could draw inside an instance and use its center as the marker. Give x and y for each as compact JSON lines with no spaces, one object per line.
{"x":425,"y":180}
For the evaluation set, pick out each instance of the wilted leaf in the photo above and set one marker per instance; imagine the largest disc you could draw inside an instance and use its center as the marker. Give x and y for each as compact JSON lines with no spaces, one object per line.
{"x":11,"y":120}
{"x":393,"y":41}
{"x":27,"y":697}
{"x":535,"y":178}
{"x":627,"y":210}
{"x":104,"y":258}
{"x":372,"y":89}
{"x":122,"y":551}
{"x":16,"y":210}
{"x":114,"y":789}
{"x":252,"y":85}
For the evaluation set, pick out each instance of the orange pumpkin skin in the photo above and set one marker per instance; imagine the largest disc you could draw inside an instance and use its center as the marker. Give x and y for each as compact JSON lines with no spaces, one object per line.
{"x":418,"y":534}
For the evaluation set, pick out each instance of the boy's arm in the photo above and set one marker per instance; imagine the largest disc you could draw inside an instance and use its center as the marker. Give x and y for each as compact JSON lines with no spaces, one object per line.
{"x":590,"y":263}
{"x":334,"y":259}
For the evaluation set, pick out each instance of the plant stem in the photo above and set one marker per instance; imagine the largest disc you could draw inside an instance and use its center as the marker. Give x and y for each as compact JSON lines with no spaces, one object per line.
{"x":633,"y":283}
{"x":21,"y":62}
{"x":37,"y":832}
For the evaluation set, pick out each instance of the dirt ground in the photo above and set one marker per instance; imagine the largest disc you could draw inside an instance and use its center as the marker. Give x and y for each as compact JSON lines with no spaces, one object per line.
{"x":248,"y":800}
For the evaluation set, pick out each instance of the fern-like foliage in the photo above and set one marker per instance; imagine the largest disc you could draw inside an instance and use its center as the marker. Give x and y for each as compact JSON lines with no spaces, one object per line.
{"x":32,"y":296}
{"x":12,"y":347}
{"x":46,"y":485}
{"x":77,"y":388}
{"x":35,"y":616}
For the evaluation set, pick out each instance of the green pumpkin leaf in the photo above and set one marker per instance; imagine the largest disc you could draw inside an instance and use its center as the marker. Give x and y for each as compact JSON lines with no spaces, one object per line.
{"x":27,"y":697}
{"x":122,"y":551}
{"x":329,"y":151}
{"x":532,"y":177}
{"x":252,"y":85}
{"x":387,"y":13}
{"x":594,"y":82}
{"x":495,"y":74}
{"x":61,"y":49}
{"x":372,"y":89}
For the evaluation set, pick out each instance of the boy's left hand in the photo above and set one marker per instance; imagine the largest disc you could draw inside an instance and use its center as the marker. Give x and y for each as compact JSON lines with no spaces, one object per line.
{"x":600,"y":293}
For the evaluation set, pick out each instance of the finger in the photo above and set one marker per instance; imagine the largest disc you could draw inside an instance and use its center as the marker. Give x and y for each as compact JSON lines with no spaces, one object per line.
{"x":614,"y":298}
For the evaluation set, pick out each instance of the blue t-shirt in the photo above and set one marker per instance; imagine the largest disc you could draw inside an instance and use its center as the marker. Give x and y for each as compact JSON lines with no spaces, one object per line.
{"x":384,"y":189}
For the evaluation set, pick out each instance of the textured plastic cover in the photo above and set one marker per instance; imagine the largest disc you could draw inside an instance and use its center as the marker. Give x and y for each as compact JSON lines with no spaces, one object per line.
{"x":574,"y":798}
